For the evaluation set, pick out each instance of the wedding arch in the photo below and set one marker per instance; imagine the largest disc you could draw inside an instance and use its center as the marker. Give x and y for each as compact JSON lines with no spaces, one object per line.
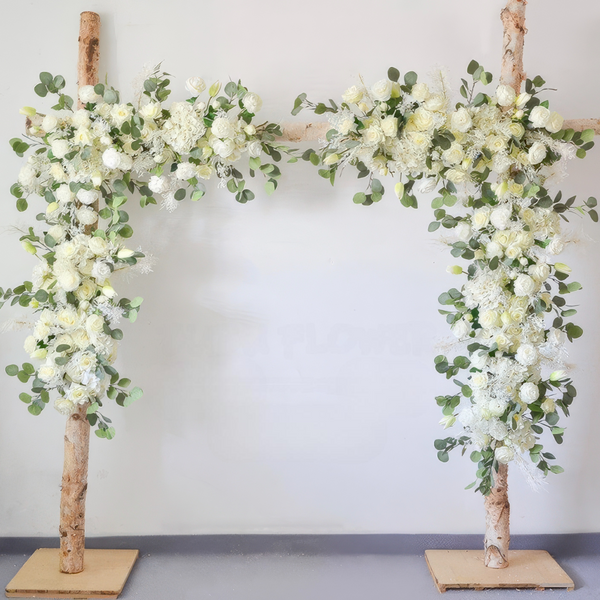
{"x":489,"y":157}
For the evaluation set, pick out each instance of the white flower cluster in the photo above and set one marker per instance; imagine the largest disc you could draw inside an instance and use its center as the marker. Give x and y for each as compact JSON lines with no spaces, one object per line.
{"x":87,"y":164}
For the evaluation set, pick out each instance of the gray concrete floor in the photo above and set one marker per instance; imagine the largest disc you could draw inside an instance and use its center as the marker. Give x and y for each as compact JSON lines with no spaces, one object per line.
{"x":311,"y":567}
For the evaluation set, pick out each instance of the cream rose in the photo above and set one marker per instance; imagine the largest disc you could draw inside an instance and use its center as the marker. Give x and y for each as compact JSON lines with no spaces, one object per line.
{"x":500,"y":217}
{"x":94,"y":324}
{"x":382,"y":90}
{"x":555,"y":123}
{"x":539,"y":116}
{"x":353,"y":95}
{"x":389,"y":126}
{"x":504,"y":454}
{"x":537,"y":153}
{"x":529,"y":392}
{"x":524,"y":285}
{"x":526,"y":355}
{"x":461,"y":120}
{"x":252,"y":102}
{"x":480,"y":218}
{"x":505,"y":95}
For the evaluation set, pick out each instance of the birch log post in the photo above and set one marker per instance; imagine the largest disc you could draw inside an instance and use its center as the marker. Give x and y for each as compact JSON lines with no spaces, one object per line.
{"x":497,"y":506}
{"x":77,"y":432}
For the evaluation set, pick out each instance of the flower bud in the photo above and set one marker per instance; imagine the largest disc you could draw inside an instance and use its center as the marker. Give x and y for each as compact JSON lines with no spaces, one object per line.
{"x":399,"y":189}
{"x":29,"y":247}
{"x":214,"y":89}
{"x":562,"y":268}
{"x":51,"y":207}
{"x":28,"y":111}
{"x":454,"y":270}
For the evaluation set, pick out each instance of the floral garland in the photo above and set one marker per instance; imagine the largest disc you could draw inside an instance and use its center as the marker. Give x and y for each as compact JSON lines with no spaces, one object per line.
{"x":491,"y":157}
{"x":86,"y":164}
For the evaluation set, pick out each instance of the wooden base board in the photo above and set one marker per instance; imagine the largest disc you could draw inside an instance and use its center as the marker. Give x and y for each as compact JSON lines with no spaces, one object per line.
{"x":104,"y":576}
{"x":464,"y":569}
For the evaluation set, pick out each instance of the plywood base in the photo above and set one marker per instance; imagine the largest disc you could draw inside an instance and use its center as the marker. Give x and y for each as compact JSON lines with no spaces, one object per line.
{"x":460,"y":569}
{"x":104,"y":576}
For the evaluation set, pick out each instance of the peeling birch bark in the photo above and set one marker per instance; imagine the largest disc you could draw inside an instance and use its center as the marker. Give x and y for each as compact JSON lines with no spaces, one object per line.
{"x":77,"y":431}
{"x":497,"y":521}
{"x":304,"y":132}
{"x":513,"y":19}
{"x":583,"y":124}
{"x":74,"y":488}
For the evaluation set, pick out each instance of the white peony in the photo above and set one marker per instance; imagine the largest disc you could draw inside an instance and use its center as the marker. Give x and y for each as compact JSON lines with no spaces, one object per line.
{"x":420,"y":92}
{"x":454,"y":154}
{"x":504,"y":454}
{"x":223,"y":128}
{"x":47,"y":372}
{"x":479,"y":380}
{"x":94,"y":324}
{"x":195,"y":85}
{"x":223,"y":148}
{"x":529,"y":392}
{"x":60,"y":148}
{"x":548,"y":405}
{"x":159,"y":184}
{"x":69,"y":280}
{"x":500,"y":217}
{"x":49,"y":123}
{"x":86,"y":216}
{"x":98,"y":246}
{"x":63,"y":406}
{"x":461,"y":120}
{"x":255,"y":149}
{"x":556,"y":246}
{"x":185,"y":171}
{"x":494,"y":249}
{"x":88,"y":197}
{"x":526,"y":355}
{"x":101,"y":271}
{"x":539,"y":271}
{"x":505,"y":95}
{"x":524,"y":285}
{"x":252,"y":102}
{"x":87,"y":95}
{"x":111,"y":158}
{"x":382,"y":90}
{"x":389,"y":126}
{"x":480,"y":218}
{"x":152,"y":110}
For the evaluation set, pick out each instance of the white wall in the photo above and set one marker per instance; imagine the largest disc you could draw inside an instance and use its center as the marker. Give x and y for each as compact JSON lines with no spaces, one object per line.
{"x":285,"y":346}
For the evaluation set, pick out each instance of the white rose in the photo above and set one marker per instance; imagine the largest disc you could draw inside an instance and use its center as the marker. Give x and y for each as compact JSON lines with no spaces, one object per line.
{"x":255,"y":149}
{"x":125,"y":162}
{"x":436,"y":103}
{"x":94,"y":324}
{"x":223,"y":148}
{"x":489,"y":319}
{"x":461,"y":120}
{"x":120,"y":113}
{"x":88,"y":197}
{"x":101,"y":271}
{"x":500,"y":217}
{"x":222,"y":128}
{"x":454,"y":154}
{"x":513,"y":251}
{"x":479,"y":359}
{"x":49,"y":123}
{"x":81,"y":118}
{"x":86,"y":290}
{"x":81,"y":338}
{"x":555,"y":123}
{"x":526,"y":355}
{"x":86,"y":216}
{"x":389,"y":126}
{"x":47,"y":372}
{"x":68,"y":280}
{"x":463,"y":231}
{"x":125,"y":253}
{"x":67,"y":318}
{"x":456,"y":175}
{"x":548,"y":405}
{"x":98,"y":246}
{"x":152,"y":110}
{"x":185,"y":171}
{"x":539,"y":116}
{"x":420,"y":92}
{"x":422,"y":119}
{"x":88,"y":95}
{"x":504,"y":454}
{"x":505,"y":95}
{"x":479,"y":380}
{"x":525,"y":285}
{"x":382,"y":90}
{"x":60,"y":148}
{"x":537,"y":153}
{"x":461,"y":329}
{"x":353,"y":95}
{"x":78,"y":394}
{"x":529,"y":392}
{"x":252,"y":102}
{"x":111,"y":158}
{"x":195,"y":85}
{"x":373,"y":135}
{"x":480,"y":218}
{"x":517,"y":130}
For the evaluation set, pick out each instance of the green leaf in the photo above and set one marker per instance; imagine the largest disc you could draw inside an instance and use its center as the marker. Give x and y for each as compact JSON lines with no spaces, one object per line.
{"x":137,"y":301}
{"x":46,"y":78}
{"x":116,"y":334}
{"x":124,"y":382}
{"x":126,"y":231}
{"x":411,"y":78}
{"x":22,"y":205}
{"x":476,"y":456}
{"x":359,"y":198}
{"x":443,"y":456}
{"x":12,"y":370}
{"x":28,"y":368}
{"x":473,"y":66}
{"x":556,"y":469}
{"x":433,"y":226}
{"x":92,"y":408}
{"x":269,"y":187}
{"x":587,"y":135}
{"x":25,"y":398}
{"x":41,"y":90}
{"x":393,"y":74}
{"x":35,"y":409}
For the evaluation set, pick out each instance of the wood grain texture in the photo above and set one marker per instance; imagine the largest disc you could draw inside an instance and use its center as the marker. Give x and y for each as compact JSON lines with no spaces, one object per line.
{"x":513,"y":19}
{"x":465,"y":569}
{"x":77,"y":431}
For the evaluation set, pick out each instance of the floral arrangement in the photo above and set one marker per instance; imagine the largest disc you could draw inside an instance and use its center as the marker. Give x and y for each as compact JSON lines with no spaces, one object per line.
{"x":491,"y":158}
{"x":86,"y":164}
